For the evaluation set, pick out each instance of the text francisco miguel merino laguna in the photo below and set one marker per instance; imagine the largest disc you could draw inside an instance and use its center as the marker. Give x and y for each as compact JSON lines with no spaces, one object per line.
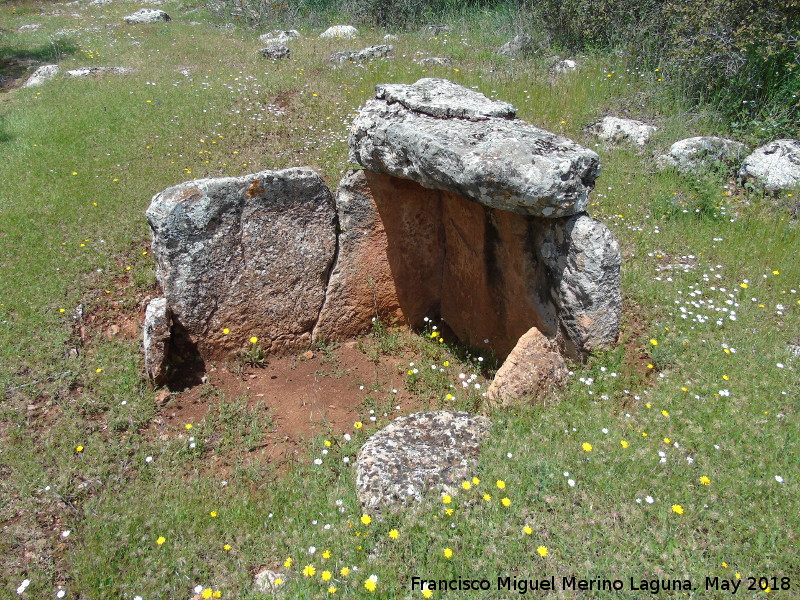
{"x":522,"y":586}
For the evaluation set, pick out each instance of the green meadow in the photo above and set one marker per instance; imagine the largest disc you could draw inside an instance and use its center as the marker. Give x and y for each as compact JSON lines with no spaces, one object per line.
{"x":672,"y":456}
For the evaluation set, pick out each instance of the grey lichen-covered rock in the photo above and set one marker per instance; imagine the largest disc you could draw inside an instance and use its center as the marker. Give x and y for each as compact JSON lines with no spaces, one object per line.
{"x":564,"y":66}
{"x":615,"y":130}
{"x":584,"y":261}
{"x":339,"y":31}
{"x":704,"y":152}
{"x":436,"y":61}
{"x":249,"y":254}
{"x":279,"y":36}
{"x":425,"y":452}
{"x":270,"y":582}
{"x":147,"y":15}
{"x":534,"y":368}
{"x":774,"y":166}
{"x":42,"y":74}
{"x":156,"y":338}
{"x":276,"y":52}
{"x":364,"y":55}
{"x":447,"y":137}
{"x":520,"y":45}
{"x":87,"y":71}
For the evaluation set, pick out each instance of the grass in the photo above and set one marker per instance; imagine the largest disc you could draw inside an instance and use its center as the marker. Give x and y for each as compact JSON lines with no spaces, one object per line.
{"x":82,"y":158}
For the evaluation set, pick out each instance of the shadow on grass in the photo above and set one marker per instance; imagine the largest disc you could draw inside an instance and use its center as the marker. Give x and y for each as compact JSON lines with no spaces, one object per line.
{"x":16,"y":60}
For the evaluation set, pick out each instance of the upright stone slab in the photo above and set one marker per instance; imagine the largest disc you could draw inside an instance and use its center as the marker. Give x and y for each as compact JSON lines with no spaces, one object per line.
{"x":250,"y":255}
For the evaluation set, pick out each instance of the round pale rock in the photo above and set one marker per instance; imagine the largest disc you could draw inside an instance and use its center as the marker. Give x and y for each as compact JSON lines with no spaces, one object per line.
{"x":340,"y":31}
{"x":447,"y":137}
{"x":436,"y":61}
{"x":774,"y":166}
{"x":616,"y":130}
{"x":270,"y":582}
{"x":365,"y":55}
{"x":564,"y":66}
{"x":147,"y":15}
{"x":42,"y":74}
{"x":425,"y":452}
{"x":696,"y":153}
{"x":279,"y":36}
{"x":534,"y":368}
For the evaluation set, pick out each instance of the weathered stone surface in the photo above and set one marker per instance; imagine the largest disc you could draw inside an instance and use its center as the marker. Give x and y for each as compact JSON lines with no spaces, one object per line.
{"x":774,"y":166}
{"x":424,"y":452}
{"x":436,"y":61}
{"x":147,"y":15}
{"x":87,"y":71}
{"x":250,"y":254}
{"x":447,"y":137}
{"x":340,"y":31}
{"x":564,"y":66}
{"x":615,"y":130}
{"x":41,"y":75}
{"x":696,"y":153}
{"x":521,"y":44}
{"x":532,"y":370}
{"x":29,"y":27}
{"x":276,"y":52}
{"x":157,"y":332}
{"x":279,"y":36}
{"x":270,"y":582}
{"x":584,"y":261}
{"x":364,"y":55}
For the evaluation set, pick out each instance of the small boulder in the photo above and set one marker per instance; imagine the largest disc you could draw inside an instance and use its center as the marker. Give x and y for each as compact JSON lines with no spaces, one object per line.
{"x":389,"y":37}
{"x":42,"y":74}
{"x":534,"y":368}
{"x":147,"y":15}
{"x":615,"y":130}
{"x":87,"y":71}
{"x":364,"y":55}
{"x":693,"y":154}
{"x":157,"y":331}
{"x":774,"y":166}
{"x":564,"y":66}
{"x":340,"y":31}
{"x":276,"y":52}
{"x":520,"y":45}
{"x":425,"y":452}
{"x":29,"y":27}
{"x":279,"y":36}
{"x":436,"y":61}
{"x":269,"y":582}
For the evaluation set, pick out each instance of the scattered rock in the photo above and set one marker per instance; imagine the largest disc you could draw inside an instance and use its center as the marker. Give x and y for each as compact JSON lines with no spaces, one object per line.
{"x":584,"y":261}
{"x":774,"y":166}
{"x":389,"y":37}
{"x":436,"y":61}
{"x":425,"y":452}
{"x":250,"y":255}
{"x":564,"y":66}
{"x":367,"y":54}
{"x":279,"y":36}
{"x":157,"y":332}
{"x":147,"y":15}
{"x":42,"y":74}
{"x":276,"y":52}
{"x":340,"y":31}
{"x":445,"y":136}
{"x":615,"y":130}
{"x":437,"y":29}
{"x":87,"y":71}
{"x":269,"y":582}
{"x":101,"y":2}
{"x":29,"y":27}
{"x":521,"y":44}
{"x":162,"y":397}
{"x":534,"y":368}
{"x":697,"y":153}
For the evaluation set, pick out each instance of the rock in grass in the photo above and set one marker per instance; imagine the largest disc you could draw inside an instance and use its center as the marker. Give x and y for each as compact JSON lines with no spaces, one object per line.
{"x":279,"y":36}
{"x":427,"y":452}
{"x":340,"y":31}
{"x":520,"y":45}
{"x":276,"y":52}
{"x":87,"y":71}
{"x":447,"y":137}
{"x":616,"y":130}
{"x":157,"y":332}
{"x":270,"y":582}
{"x":364,"y":55}
{"x":564,"y":66}
{"x":697,"y":153}
{"x":147,"y":15}
{"x":436,"y":61}
{"x":41,"y":75}
{"x":534,"y":368}
{"x":774,"y":166}
{"x":242,"y":257}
